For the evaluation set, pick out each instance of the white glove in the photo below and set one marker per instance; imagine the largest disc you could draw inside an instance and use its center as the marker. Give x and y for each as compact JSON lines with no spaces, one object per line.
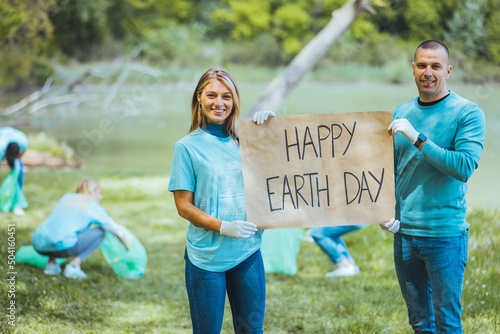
{"x":404,"y":126}
{"x":392,"y":226}
{"x":261,"y":116}
{"x":238,"y":229}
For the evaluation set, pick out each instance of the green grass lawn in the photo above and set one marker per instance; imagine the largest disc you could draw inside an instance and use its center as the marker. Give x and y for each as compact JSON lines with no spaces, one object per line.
{"x":157,"y":303}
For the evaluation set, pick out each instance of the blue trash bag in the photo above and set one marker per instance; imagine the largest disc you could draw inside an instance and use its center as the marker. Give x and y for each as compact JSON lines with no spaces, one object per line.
{"x":28,"y":255}
{"x":280,"y":249}
{"x":11,"y":194}
{"x":125,"y":263}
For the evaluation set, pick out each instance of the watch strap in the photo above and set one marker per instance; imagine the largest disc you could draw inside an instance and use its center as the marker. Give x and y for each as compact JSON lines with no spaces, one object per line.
{"x":420,"y":139}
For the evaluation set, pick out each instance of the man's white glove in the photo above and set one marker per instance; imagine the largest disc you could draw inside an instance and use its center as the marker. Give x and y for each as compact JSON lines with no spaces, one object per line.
{"x":392,"y":226}
{"x":261,"y":116}
{"x":238,"y":229}
{"x":404,"y":126}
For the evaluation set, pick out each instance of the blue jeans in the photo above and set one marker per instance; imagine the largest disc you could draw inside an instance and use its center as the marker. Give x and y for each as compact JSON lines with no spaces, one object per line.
{"x":329,"y":240}
{"x":88,"y":241}
{"x":246,"y":290}
{"x":430,"y":273}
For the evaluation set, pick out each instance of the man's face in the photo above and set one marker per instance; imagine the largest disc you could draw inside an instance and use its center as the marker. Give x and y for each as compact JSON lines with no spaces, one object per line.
{"x":431,"y":69}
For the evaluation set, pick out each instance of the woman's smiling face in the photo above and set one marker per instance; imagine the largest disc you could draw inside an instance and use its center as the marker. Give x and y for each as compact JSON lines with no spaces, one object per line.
{"x":216,"y":101}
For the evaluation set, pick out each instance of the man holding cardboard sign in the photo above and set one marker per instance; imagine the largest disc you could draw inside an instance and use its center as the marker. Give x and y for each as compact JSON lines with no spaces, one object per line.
{"x":438,"y":138}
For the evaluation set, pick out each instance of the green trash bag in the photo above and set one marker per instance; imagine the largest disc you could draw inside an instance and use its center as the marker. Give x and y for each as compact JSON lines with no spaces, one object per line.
{"x":11,"y":195}
{"x":125,"y":263}
{"x":27,"y":254}
{"x":280,"y":249}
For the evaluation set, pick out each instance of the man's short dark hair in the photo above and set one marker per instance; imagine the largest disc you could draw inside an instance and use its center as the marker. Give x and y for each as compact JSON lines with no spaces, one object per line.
{"x":433,"y":45}
{"x":12,"y":151}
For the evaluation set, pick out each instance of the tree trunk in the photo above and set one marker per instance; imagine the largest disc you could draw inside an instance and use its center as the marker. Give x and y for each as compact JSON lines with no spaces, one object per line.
{"x":282,"y":84}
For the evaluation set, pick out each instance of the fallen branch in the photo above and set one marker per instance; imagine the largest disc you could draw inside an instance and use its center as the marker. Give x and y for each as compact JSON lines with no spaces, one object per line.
{"x":28,"y":99}
{"x":50,"y":95}
{"x":33,"y":158}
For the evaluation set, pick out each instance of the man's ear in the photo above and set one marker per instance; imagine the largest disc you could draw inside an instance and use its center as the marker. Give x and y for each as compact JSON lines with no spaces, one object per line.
{"x":448,"y":71}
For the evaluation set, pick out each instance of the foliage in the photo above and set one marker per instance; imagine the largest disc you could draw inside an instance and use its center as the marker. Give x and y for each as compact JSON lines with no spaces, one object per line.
{"x":493,"y":29}
{"x":78,"y":25}
{"x":291,"y":23}
{"x":25,"y":29}
{"x":251,"y":32}
{"x":243,"y":19}
{"x":174,"y":42}
{"x":157,"y":303}
{"x":136,"y":18}
{"x":466,"y":28}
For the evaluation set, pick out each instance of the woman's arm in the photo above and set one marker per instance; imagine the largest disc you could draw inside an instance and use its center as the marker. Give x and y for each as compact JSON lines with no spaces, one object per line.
{"x":187,"y":210}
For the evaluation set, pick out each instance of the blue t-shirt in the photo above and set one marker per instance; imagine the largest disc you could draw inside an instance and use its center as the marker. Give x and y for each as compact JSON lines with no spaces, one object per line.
{"x":9,"y":135}
{"x":209,"y":165}
{"x":74,"y":213}
{"x":431,"y":184}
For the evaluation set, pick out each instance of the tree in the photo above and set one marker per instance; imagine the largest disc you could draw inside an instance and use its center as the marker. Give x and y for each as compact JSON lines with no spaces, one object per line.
{"x":243,"y":19}
{"x":277,"y":90}
{"x":79,"y":25}
{"x":493,"y":30}
{"x":25,"y":32}
{"x":466,"y":28}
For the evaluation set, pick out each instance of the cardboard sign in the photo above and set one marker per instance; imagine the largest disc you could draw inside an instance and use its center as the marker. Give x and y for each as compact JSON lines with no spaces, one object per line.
{"x":318,"y":170}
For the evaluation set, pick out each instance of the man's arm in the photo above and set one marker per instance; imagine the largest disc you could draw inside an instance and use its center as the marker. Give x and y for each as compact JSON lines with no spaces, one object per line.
{"x":469,"y":140}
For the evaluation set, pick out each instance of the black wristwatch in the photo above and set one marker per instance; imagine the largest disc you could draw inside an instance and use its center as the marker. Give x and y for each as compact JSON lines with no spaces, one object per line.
{"x":420,"y":139}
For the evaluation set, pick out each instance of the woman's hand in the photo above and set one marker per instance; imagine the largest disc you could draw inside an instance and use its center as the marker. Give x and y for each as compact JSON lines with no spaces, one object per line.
{"x":238,"y":229}
{"x":261,"y":116}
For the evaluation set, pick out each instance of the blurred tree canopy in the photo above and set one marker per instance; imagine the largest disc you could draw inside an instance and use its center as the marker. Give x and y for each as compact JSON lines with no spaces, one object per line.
{"x":269,"y":33}
{"x":25,"y":34}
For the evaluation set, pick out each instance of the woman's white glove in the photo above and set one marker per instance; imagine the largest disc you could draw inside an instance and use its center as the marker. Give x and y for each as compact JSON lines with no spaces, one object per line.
{"x":392,"y":226}
{"x":404,"y":126}
{"x":238,"y":229}
{"x":261,"y":116}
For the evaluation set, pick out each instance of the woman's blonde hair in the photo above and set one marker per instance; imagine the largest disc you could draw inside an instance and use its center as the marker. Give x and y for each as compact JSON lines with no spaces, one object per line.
{"x":88,"y":187}
{"x":198,"y":119}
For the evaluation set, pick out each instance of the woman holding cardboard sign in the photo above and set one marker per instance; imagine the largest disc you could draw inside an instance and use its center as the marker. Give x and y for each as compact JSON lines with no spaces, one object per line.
{"x":222,"y":248}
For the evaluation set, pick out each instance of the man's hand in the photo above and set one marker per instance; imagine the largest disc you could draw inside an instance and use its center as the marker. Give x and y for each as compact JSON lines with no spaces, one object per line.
{"x":404,"y":126}
{"x":392,"y":226}
{"x":261,"y":116}
{"x":238,"y":229}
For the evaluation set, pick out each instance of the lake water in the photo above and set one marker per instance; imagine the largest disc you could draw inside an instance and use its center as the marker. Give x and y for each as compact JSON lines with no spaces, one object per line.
{"x":138,"y":129}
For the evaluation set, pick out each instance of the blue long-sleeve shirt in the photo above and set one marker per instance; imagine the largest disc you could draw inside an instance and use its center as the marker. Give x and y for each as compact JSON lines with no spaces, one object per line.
{"x":431,"y":184}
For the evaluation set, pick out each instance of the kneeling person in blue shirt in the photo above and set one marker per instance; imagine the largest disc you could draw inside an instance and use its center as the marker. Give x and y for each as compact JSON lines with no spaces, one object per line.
{"x":69,"y":230}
